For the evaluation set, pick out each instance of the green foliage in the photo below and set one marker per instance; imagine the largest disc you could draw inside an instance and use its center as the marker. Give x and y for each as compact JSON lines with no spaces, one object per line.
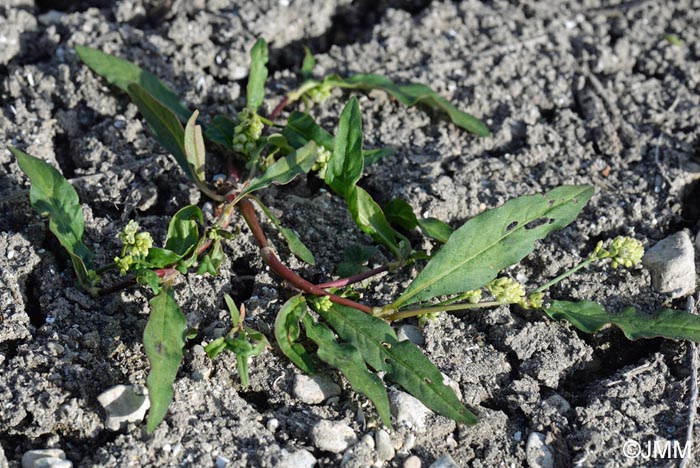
{"x":590,"y":317}
{"x":257,"y":76}
{"x":122,"y":74}
{"x":354,"y":259}
{"x":288,"y":332}
{"x":221,"y":131}
{"x":400,"y":213}
{"x":307,"y":66}
{"x":346,"y":164}
{"x":295,"y":245}
{"x":51,"y":195}
{"x":183,"y":230}
{"x":163,"y":340}
{"x":493,"y":240}
{"x":194,"y":148}
{"x":402,"y":361}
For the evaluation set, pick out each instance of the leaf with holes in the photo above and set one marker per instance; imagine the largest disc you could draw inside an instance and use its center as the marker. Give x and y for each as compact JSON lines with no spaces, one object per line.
{"x":590,"y":317}
{"x":402,"y":362}
{"x":53,"y":196}
{"x":348,"y":360}
{"x":163,"y":340}
{"x":287,"y":333}
{"x":493,"y":240}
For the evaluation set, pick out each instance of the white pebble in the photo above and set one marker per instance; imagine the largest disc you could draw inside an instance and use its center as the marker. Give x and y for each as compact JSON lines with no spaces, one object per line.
{"x":385,"y":449}
{"x":333,"y":436}
{"x":272,"y":425}
{"x":537,"y":453}
{"x":408,"y":410}
{"x":671,"y":263}
{"x":412,"y":462}
{"x":221,"y":462}
{"x":124,"y":404}
{"x":299,"y":459}
{"x":315,"y":389}
{"x":445,"y":461}
{"x":30,"y":458}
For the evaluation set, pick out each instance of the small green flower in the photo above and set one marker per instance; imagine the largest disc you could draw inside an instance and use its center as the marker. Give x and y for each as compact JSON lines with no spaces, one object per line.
{"x":247,"y":132}
{"x":321,"y":163}
{"x":127,"y":235}
{"x":323,"y":303}
{"x":429,"y":317}
{"x":124,"y":263}
{"x":533,"y":301}
{"x":135,"y":246}
{"x":320,"y":93}
{"x":472,"y":297}
{"x":623,"y":250}
{"x":506,"y":290}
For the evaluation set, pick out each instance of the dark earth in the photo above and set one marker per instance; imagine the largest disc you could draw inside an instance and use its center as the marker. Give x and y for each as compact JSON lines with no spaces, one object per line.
{"x":590,"y":92}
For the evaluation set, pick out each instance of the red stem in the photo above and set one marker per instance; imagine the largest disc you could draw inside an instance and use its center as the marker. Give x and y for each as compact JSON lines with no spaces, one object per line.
{"x":342,"y":282}
{"x":248,"y":211}
{"x":278,"y":108}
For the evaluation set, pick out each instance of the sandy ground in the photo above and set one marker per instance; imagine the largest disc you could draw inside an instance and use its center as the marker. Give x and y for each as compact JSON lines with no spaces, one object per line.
{"x":587,"y":92}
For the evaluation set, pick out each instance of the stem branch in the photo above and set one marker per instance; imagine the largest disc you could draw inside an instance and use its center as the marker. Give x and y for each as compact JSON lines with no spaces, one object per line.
{"x":342,"y":282}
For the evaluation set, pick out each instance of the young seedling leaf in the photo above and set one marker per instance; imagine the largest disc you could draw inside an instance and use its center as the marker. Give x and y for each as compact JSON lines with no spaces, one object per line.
{"x":122,"y":73}
{"x":248,"y":344}
{"x":402,"y":361}
{"x":400,"y":213}
{"x":354,"y":259}
{"x":183,"y":230}
{"x":368,"y":215}
{"x":159,"y":258}
{"x":215,"y":347}
{"x":53,"y":196}
{"x":287,"y":332}
{"x":435,"y":229}
{"x":194,"y":148}
{"x":590,"y":317}
{"x":307,"y":66}
{"x":211,"y":262}
{"x":348,"y":360}
{"x":233,"y":311}
{"x":346,"y":164}
{"x":494,"y":240}
{"x":258,"y":75}
{"x":149,"y":278}
{"x":284,"y":170}
{"x":412,"y":94}
{"x":221,"y":131}
{"x":163,"y":340}
{"x":301,"y":128}
{"x":295,"y":245}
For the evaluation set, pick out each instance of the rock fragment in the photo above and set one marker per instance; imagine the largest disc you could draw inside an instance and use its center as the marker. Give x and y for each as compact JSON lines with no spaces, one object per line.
{"x":54,"y":458}
{"x":408,"y":410}
{"x":412,"y":462}
{"x":385,"y":448}
{"x":333,"y":436}
{"x":445,"y":461}
{"x":315,"y":389}
{"x":537,"y":452}
{"x":124,"y":404}
{"x":299,"y":459}
{"x":671,"y":263}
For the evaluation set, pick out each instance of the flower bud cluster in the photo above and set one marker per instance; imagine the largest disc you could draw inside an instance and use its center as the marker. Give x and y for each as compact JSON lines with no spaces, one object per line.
{"x":322,"y":158}
{"x":320,"y":93}
{"x":625,"y":251}
{"x":247,"y":132}
{"x":135,"y":246}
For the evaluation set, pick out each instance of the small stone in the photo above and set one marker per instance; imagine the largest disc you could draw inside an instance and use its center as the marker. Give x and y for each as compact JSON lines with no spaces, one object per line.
{"x":559,"y":403}
{"x":30,"y":458}
{"x":408,"y":410}
{"x":409,"y":442}
{"x":385,"y":448}
{"x":299,"y":459}
{"x":124,"y":404}
{"x":537,"y":453}
{"x":368,"y":440}
{"x":272,"y":425}
{"x":52,"y":462}
{"x":315,"y":389}
{"x":333,"y":436}
{"x":671,"y":263}
{"x":411,"y":333}
{"x":412,"y":462}
{"x":221,"y":462}
{"x":445,"y":461}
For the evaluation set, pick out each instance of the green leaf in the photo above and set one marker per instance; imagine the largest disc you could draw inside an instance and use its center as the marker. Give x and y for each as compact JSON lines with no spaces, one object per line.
{"x":159,"y":258}
{"x":307,"y":66}
{"x":149,"y":278}
{"x":216,"y":347}
{"x":368,"y":215}
{"x":346,"y":164}
{"x":493,"y":240}
{"x":220,"y":131}
{"x":284,"y":170}
{"x":354,"y":259}
{"x":165,"y":125}
{"x":287,"y":333}
{"x":402,"y":361}
{"x":400,"y":213}
{"x":348,"y":360}
{"x":435,"y":229}
{"x":295,"y":245}
{"x":122,"y":73}
{"x":51,"y":195}
{"x":590,"y":317}
{"x":233,"y":311}
{"x":183,"y":230}
{"x":194,"y":148}
{"x":244,"y":349}
{"x":301,"y":128}
{"x":258,"y":75}
{"x":163,"y":340}
{"x":211,"y":262}
{"x":412,"y":94}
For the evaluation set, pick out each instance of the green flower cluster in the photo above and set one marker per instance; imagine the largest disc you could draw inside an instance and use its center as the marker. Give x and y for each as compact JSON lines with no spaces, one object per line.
{"x":506,"y":290}
{"x":247,"y":133}
{"x":322,"y":303}
{"x":625,"y":251}
{"x":135,"y":246}
{"x":319,"y":93}
{"x":322,"y":158}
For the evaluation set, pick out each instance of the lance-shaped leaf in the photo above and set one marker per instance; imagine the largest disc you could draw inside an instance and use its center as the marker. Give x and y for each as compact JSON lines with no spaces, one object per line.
{"x":284,"y":170}
{"x":400,"y":213}
{"x":163,"y":340}
{"x":122,"y":73}
{"x":346,"y":164}
{"x":287,"y":332}
{"x":589,"y":316}
{"x":348,"y":360}
{"x":368,"y":215}
{"x":307,"y":66}
{"x":295,"y":245}
{"x":221,"y":131}
{"x":194,"y":148}
{"x":258,"y":75}
{"x":493,"y":240}
{"x":53,"y":196}
{"x":183,"y":230}
{"x":402,"y":361}
{"x":301,"y":128}
{"x":411,"y":94}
